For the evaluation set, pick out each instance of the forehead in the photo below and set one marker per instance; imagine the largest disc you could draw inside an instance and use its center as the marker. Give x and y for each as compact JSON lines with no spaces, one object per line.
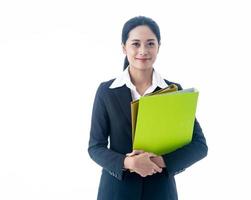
{"x":141,"y":33}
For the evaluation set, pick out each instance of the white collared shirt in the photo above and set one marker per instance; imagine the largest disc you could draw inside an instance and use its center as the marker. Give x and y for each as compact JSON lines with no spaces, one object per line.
{"x":124,"y":79}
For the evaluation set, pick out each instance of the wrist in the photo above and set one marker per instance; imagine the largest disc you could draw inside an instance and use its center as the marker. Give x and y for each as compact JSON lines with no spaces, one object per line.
{"x":128,"y":162}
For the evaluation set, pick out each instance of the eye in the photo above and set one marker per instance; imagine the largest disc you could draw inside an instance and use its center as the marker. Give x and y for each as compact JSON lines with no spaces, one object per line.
{"x":136,"y":44}
{"x":151,"y":44}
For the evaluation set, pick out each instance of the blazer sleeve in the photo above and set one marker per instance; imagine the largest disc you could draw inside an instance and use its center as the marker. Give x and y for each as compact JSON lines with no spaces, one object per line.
{"x":110,"y":160}
{"x":184,"y":157}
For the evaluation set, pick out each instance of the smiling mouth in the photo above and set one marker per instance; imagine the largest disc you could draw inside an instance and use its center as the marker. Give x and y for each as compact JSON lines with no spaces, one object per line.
{"x":143,"y":59}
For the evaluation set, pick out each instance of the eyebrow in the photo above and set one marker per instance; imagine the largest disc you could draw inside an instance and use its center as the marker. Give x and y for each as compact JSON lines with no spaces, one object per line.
{"x":136,"y":40}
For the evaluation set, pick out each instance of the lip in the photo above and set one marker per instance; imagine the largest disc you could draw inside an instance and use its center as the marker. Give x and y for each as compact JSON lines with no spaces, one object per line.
{"x":143,"y":59}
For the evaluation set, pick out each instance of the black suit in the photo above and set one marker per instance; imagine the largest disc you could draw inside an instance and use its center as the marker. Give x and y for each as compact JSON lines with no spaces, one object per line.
{"x":111,"y":118}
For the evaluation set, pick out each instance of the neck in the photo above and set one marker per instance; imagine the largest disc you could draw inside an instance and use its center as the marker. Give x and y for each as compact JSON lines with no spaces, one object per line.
{"x":141,"y":78}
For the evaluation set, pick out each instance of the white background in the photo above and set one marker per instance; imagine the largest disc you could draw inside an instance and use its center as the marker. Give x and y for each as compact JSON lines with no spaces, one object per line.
{"x":54,"y":54}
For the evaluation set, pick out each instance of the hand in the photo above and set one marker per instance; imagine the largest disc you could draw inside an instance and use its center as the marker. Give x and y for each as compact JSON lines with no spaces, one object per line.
{"x":158,"y":160}
{"x":142,"y":164}
{"x":135,"y":152}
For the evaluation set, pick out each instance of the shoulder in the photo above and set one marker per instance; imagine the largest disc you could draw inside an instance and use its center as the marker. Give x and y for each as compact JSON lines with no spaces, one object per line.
{"x":170,"y":82}
{"x":104,"y":87}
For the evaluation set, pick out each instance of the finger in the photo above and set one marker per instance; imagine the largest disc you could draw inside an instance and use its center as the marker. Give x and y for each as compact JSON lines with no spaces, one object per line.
{"x":135,"y":152}
{"x":132,"y":153}
{"x":138,"y":151}
{"x":157,"y":168}
{"x":150,"y":154}
{"x":153,"y":172}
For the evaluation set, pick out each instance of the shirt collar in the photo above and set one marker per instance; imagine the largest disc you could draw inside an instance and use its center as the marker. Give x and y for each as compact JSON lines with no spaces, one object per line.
{"x":124,"y":79}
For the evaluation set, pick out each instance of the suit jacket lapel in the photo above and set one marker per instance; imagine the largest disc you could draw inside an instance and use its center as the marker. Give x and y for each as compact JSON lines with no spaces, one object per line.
{"x":156,"y":89}
{"x":123,"y":95}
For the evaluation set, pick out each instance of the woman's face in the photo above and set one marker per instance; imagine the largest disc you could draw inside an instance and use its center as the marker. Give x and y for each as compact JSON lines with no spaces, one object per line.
{"x":141,"y":48}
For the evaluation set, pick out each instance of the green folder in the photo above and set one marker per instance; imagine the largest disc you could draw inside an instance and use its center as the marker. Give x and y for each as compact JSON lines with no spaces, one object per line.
{"x":164,"y":121}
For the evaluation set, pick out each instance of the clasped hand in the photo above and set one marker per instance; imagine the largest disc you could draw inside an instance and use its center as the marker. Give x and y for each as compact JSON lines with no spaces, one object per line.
{"x":143,"y":163}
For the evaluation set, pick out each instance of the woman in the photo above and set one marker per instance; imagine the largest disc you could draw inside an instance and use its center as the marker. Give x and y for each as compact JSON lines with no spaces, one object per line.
{"x":127,"y":174}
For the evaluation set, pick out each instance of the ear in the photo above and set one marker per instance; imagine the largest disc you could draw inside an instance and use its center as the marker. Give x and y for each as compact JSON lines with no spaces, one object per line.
{"x":123,"y":48}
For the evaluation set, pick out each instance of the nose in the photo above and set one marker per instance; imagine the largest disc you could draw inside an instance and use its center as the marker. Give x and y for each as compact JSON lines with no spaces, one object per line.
{"x":143,"y":50}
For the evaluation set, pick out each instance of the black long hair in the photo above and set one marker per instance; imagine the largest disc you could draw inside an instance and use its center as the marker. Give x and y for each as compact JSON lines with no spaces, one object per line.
{"x":133,"y":23}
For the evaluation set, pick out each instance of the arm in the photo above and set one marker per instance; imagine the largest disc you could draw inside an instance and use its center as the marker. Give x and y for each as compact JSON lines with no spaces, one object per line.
{"x":110,"y":160}
{"x":184,"y":157}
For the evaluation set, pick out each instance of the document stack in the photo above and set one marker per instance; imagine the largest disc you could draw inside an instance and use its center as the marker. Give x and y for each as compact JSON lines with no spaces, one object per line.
{"x":163,"y":121}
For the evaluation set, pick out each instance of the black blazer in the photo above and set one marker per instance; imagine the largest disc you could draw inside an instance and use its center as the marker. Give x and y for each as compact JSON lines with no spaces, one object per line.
{"x":111,"y":121}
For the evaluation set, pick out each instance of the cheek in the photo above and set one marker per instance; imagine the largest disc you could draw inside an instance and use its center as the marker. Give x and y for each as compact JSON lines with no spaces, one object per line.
{"x":131,"y":53}
{"x":154,"y":53}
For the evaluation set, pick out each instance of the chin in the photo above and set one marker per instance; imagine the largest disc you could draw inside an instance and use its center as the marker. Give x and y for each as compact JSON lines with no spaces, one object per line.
{"x":142,"y":68}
